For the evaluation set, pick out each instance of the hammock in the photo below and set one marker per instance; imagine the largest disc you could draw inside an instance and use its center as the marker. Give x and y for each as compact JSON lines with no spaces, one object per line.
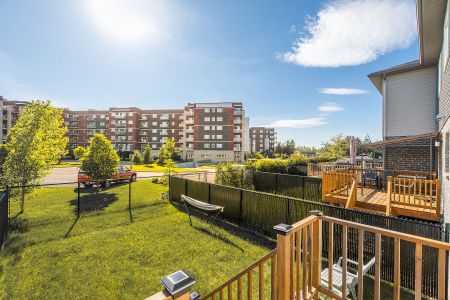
{"x":201,"y":206}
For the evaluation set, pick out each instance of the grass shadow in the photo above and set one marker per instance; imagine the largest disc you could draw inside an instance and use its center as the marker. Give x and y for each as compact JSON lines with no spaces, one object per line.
{"x":229,"y":227}
{"x":217,"y":236}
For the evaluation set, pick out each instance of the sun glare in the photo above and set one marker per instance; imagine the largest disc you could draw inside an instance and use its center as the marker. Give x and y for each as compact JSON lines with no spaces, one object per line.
{"x":129,"y":21}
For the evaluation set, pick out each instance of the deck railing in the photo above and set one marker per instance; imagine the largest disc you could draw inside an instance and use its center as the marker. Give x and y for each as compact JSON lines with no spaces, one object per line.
{"x":265,"y":269}
{"x":337,"y":186}
{"x":299,"y":271}
{"x":317,"y":170}
{"x":408,"y":195}
{"x":420,"y":195}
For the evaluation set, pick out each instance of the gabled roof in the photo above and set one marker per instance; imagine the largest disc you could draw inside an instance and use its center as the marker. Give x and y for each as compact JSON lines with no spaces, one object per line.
{"x":430,"y":24}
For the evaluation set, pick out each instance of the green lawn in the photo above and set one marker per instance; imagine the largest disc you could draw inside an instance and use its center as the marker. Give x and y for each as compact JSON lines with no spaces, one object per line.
{"x":105,"y":256}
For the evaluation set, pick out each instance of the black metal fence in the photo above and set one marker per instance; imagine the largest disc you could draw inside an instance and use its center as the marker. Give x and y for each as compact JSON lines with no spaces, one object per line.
{"x":3,"y":218}
{"x":304,"y":187}
{"x":259,"y":211}
{"x":52,"y":211}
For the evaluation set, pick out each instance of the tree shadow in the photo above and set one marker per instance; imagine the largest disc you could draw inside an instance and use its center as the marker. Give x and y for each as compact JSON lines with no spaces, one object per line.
{"x":217,"y":236}
{"x":94,"y":202}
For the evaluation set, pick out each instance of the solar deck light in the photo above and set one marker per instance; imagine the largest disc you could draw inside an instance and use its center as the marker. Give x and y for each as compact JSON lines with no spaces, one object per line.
{"x":282,"y":229}
{"x":178,"y":283}
{"x":194,"y":296}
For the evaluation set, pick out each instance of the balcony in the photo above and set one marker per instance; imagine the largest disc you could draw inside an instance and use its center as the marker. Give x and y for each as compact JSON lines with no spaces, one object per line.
{"x":163,"y":132}
{"x":237,"y":131}
{"x":119,"y":116}
{"x":164,"y":117}
{"x":237,"y":121}
{"x":189,"y":139}
{"x":190,"y":130}
{"x":237,"y":140}
{"x":164,"y":125}
{"x":190,"y":121}
{"x":120,"y":124}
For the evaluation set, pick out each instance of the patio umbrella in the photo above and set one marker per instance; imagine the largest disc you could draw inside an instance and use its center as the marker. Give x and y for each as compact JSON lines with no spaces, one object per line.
{"x":353,"y":150}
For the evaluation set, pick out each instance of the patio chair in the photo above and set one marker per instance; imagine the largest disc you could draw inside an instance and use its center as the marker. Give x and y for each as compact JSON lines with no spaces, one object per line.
{"x":370,"y":175}
{"x":206,"y":207}
{"x":352,"y":279}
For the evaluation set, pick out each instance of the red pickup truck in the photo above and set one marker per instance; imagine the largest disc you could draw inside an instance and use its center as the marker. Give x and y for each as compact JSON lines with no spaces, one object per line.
{"x":122,"y":174}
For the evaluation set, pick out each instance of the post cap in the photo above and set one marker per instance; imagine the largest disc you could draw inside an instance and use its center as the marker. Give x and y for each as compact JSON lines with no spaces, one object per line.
{"x":282,"y":229}
{"x":316,"y":213}
{"x":178,"y":282}
{"x":194,"y":296}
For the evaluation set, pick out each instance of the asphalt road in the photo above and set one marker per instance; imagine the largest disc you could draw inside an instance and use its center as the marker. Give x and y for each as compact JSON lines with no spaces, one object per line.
{"x":69,"y":174}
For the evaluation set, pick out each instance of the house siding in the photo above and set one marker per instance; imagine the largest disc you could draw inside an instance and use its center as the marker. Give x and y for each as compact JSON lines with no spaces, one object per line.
{"x":411,"y":103}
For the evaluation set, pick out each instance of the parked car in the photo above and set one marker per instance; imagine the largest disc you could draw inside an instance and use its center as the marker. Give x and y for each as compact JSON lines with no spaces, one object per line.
{"x":123,"y":174}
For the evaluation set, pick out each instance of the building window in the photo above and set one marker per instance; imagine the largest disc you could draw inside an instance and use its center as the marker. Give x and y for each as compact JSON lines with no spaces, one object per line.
{"x":221,"y":156}
{"x":219,"y":110}
{"x":206,"y":136}
{"x":207,"y":119}
{"x":207,"y":127}
{"x":219,"y":136}
{"x":207,"y":110}
{"x":220,"y":127}
{"x":219,"y":146}
{"x":219,"y":119}
{"x":207,"y":146}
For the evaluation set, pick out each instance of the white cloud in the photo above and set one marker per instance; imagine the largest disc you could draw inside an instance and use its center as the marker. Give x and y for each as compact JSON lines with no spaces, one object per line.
{"x":298,"y":123}
{"x":354,"y":32}
{"x":342,"y":91}
{"x":130,"y":21}
{"x":330,"y":107}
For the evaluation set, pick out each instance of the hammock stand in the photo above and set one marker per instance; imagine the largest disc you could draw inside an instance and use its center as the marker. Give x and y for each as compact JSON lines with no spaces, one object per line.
{"x":206,"y":207}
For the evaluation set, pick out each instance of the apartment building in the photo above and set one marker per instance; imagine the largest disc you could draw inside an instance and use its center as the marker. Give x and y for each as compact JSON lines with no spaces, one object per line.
{"x":128,"y":129}
{"x":10,"y":112}
{"x":263,"y":140}
{"x":204,"y":131}
{"x":215,"y":131}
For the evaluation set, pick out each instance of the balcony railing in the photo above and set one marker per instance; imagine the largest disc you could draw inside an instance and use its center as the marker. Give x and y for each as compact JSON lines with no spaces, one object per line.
{"x":297,"y":268}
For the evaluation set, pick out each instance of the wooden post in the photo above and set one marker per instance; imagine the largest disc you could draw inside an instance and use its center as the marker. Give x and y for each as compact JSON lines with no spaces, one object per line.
{"x":317,"y":251}
{"x":283,"y":260}
{"x":389,"y":192}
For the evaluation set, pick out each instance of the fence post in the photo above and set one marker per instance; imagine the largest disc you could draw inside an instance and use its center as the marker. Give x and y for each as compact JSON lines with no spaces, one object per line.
{"x":78,"y":201}
{"x":129,"y":201}
{"x":303,"y":187}
{"x":317,"y":249}
{"x":283,"y":263}
{"x":276,"y":183}
{"x":209,"y":193}
{"x":240,"y":205}
{"x":185,"y":187}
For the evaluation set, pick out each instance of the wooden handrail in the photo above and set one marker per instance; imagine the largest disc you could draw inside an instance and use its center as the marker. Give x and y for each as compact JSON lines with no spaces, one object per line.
{"x":258,"y":264}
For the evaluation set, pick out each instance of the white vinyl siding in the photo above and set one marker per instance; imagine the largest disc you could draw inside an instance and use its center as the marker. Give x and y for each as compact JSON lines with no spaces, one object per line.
{"x":411,"y":103}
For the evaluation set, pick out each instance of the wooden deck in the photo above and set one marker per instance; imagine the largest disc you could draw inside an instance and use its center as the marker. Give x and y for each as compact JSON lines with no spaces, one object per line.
{"x":402,"y":197}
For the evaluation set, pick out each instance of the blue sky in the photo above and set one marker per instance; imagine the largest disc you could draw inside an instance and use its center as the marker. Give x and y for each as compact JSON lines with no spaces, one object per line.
{"x":275,"y":56}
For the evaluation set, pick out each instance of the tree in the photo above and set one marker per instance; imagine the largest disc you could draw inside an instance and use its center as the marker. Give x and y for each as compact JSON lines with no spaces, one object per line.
{"x":80,"y":152}
{"x":36,"y":142}
{"x":170,"y":168}
{"x":148,"y":155}
{"x":168,"y":150}
{"x":137,"y":158}
{"x":337,"y":147}
{"x":101,"y":161}
{"x":286,"y":148}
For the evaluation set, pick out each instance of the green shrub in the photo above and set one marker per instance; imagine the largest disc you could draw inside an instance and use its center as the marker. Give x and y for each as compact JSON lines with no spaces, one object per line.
{"x":298,"y":159}
{"x":155,"y":180}
{"x":137,"y":158}
{"x":230,"y":175}
{"x":272,"y":165}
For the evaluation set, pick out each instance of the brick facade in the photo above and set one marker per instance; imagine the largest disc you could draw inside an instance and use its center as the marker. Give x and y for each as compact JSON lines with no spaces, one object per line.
{"x":411,"y":156}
